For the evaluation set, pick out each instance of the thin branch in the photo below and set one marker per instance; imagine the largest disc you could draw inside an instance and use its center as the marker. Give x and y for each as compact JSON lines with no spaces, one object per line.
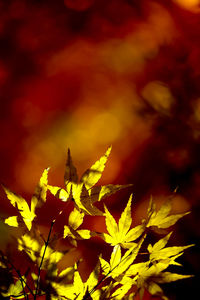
{"x":43,"y":255}
{"x":5,"y":258}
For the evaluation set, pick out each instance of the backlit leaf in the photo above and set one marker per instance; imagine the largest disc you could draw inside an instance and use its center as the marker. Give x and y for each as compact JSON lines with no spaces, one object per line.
{"x":123,"y":289}
{"x":160,"y":218}
{"x":125,"y":219}
{"x":168,"y":252}
{"x":92,"y":175}
{"x":104,"y":265}
{"x":97,"y":193}
{"x":59,"y":192}
{"x":115,"y":257}
{"x":27,"y":213}
{"x":77,"y":234}
{"x":75,"y":218}
{"x":30,"y":246}
{"x":83,"y":200}
{"x":12,"y":221}
{"x":165,"y":277}
{"x":35,"y":251}
{"x":15,"y":290}
{"x":134,"y":233}
{"x":155,"y":290}
{"x":40,"y":193}
{"x":92,"y":281}
{"x":110,"y":223}
{"x":22,"y":206}
{"x":120,"y":234}
{"x":160,"y":244}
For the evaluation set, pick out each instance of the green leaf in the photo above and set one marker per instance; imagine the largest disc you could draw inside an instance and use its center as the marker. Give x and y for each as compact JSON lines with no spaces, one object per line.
{"x":91,"y":176}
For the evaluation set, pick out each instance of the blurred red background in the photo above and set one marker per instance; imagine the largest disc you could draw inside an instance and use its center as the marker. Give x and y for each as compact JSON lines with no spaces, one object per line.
{"x":86,"y":74}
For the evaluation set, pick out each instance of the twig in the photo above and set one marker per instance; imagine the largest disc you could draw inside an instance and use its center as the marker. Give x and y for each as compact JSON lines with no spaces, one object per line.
{"x":43,"y":255}
{"x":5,"y":258}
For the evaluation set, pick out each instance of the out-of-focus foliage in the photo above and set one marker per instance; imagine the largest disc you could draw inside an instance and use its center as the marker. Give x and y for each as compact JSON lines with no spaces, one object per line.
{"x":122,"y":277}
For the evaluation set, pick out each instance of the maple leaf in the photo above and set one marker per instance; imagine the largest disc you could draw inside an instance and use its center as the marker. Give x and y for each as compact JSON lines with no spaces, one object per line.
{"x":158,"y":252}
{"x":92,"y":175}
{"x":120,"y":234}
{"x":161,"y":218}
{"x":35,"y":251}
{"x":84,"y":193}
{"x":148,"y":274}
{"x":79,"y":289}
{"x":119,"y":264}
{"x":15,"y":290}
{"x":74,"y":221}
{"x":27,"y":214}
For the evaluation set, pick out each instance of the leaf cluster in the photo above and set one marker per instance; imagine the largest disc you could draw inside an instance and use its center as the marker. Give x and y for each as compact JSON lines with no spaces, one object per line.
{"x":123,"y":276}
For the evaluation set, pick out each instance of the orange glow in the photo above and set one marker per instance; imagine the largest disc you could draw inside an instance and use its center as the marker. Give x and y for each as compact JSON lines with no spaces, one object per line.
{"x":192,"y":5}
{"x":87,"y":74}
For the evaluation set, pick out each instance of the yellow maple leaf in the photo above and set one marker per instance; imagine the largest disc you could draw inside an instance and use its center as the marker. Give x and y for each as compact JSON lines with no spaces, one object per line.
{"x":27,"y":214}
{"x":15,"y":290}
{"x":118,"y":263}
{"x":84,"y":193}
{"x":92,"y":175}
{"x":120,"y":234}
{"x":35,"y":251}
{"x":79,"y":289}
{"x":161,"y":218}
